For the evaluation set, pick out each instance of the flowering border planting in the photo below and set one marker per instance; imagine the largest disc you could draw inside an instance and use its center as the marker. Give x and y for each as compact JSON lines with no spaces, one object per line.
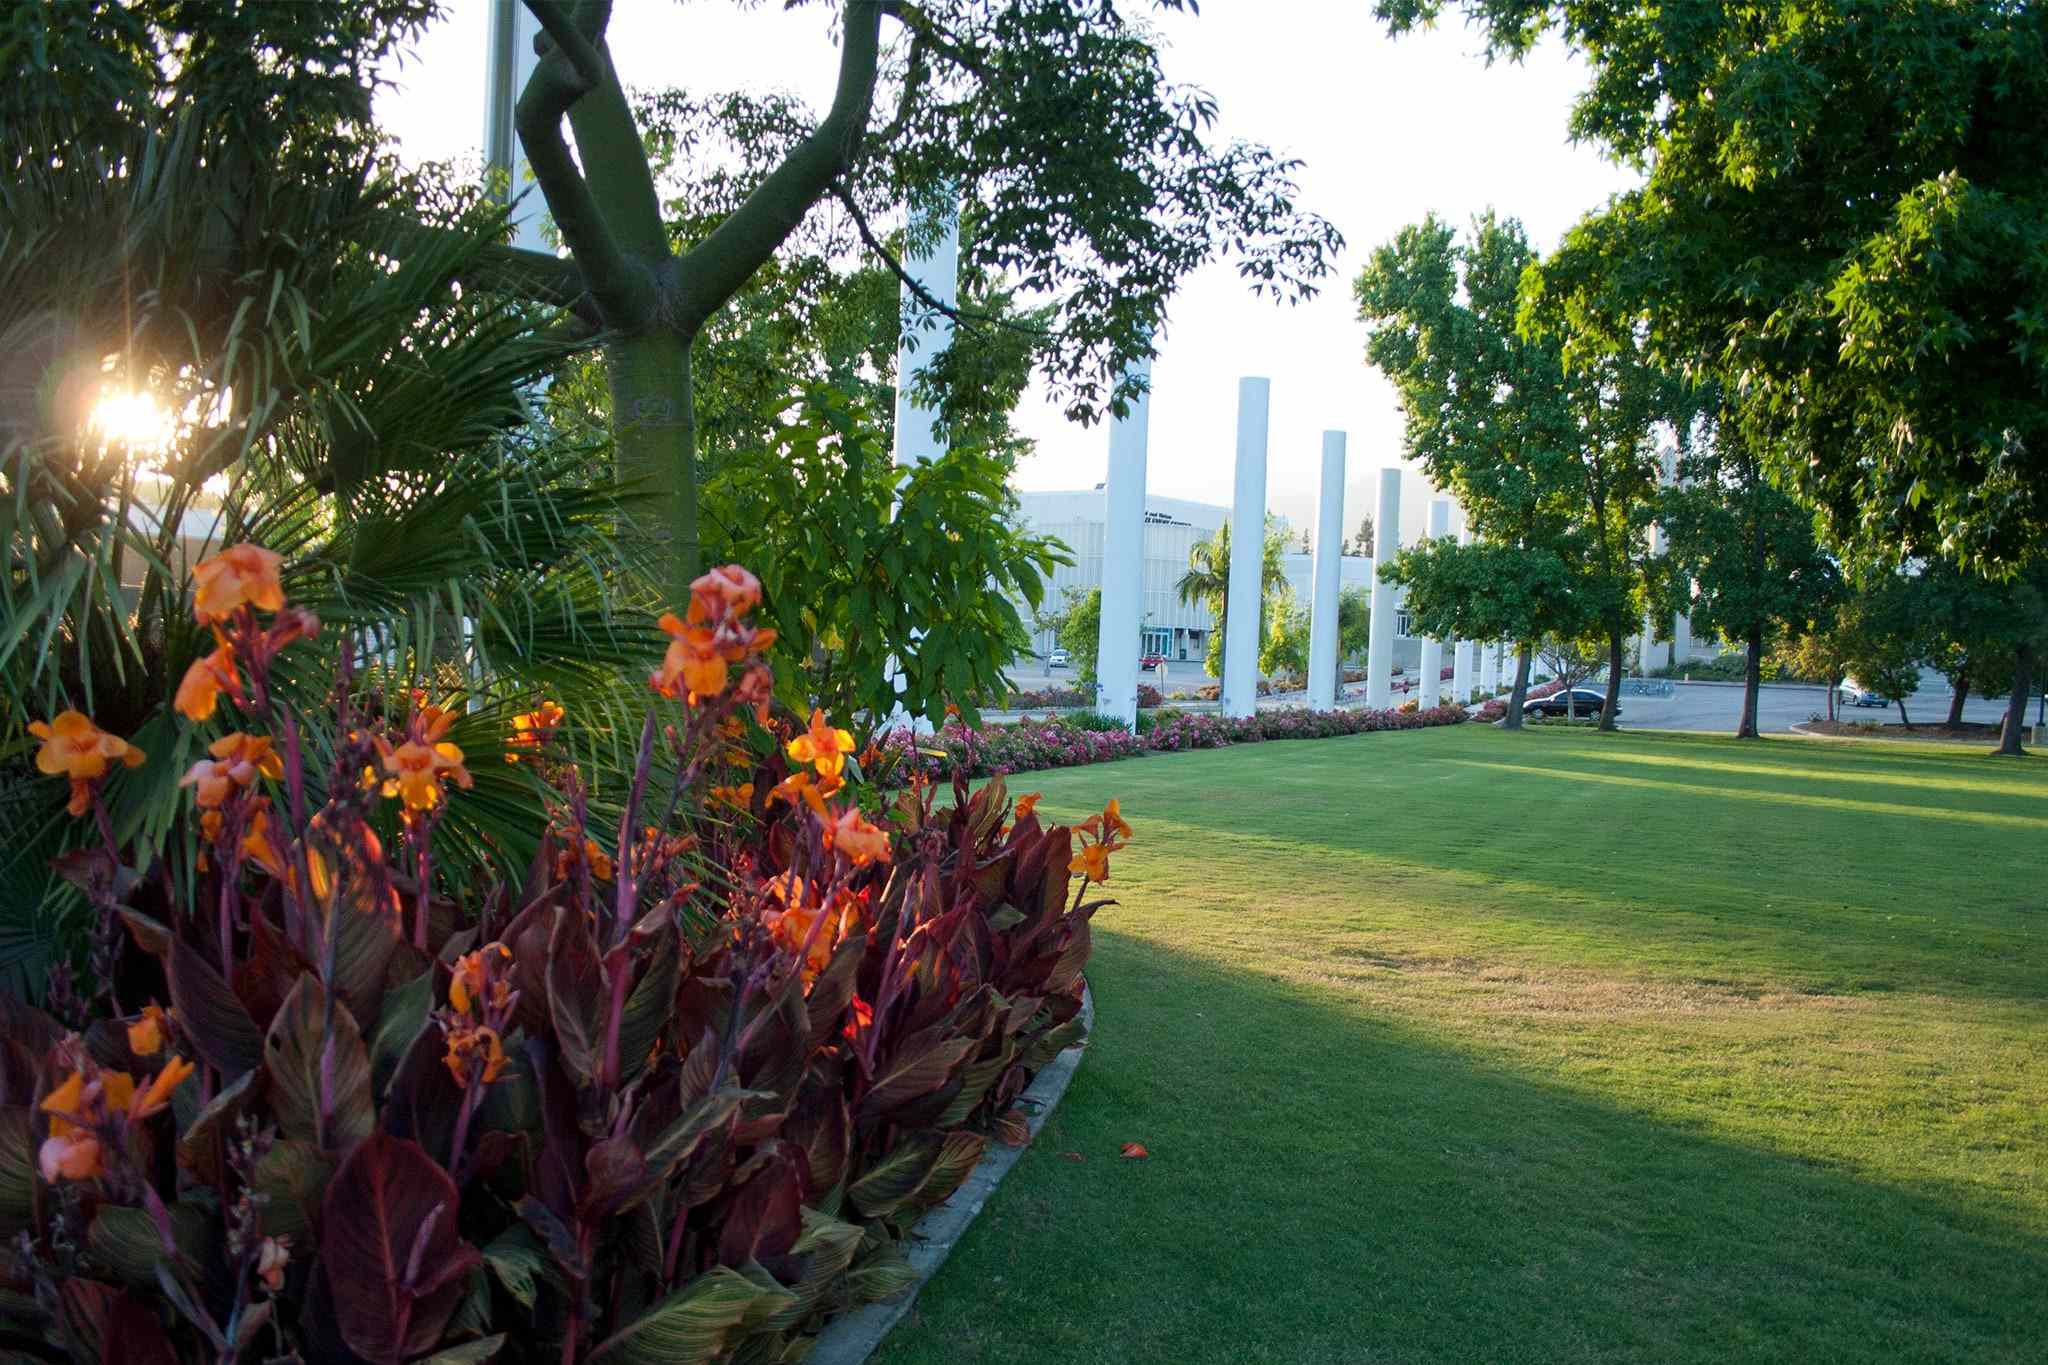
{"x":1031,"y":745}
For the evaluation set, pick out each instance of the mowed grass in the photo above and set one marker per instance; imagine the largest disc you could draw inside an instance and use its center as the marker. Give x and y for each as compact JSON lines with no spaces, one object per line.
{"x":1458,"y":1045}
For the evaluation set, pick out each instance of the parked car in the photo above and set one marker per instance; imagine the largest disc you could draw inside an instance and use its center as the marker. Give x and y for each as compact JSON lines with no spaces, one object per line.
{"x":1057,"y":659}
{"x":1585,"y":703}
{"x":1853,"y":693}
{"x":1150,"y":661}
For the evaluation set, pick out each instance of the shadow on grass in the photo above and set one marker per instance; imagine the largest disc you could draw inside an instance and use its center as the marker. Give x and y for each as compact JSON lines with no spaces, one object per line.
{"x":1327,"y":1186}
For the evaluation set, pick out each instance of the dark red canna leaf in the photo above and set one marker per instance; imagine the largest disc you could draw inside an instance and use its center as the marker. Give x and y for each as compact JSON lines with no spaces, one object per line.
{"x":389,"y":1248}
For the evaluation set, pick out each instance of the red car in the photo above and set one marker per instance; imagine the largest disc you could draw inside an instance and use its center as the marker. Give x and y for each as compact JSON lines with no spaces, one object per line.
{"x":1151,"y":661}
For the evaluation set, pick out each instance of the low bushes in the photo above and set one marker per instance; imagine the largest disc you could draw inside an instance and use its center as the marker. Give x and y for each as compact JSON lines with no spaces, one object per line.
{"x":672,"y":1099}
{"x":1030,"y":745}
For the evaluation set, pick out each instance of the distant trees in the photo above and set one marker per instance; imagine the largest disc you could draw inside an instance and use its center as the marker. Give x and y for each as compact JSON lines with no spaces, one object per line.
{"x":1843,"y":222}
{"x":1741,"y":558}
{"x":1491,"y":416}
{"x":1207,"y":582}
{"x":1081,"y":632}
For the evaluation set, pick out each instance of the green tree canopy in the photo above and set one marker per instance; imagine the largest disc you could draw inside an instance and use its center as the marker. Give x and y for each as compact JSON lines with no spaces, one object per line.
{"x":1742,"y":558}
{"x":1094,"y":185}
{"x":1844,"y":217}
{"x":1491,"y":415}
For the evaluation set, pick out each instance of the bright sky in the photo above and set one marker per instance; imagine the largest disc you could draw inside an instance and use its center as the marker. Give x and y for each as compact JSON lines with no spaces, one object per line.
{"x":1388,"y":131}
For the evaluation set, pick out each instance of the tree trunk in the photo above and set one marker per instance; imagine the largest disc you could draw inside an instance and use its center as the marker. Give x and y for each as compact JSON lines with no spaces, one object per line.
{"x":1612,"y":702}
{"x":1752,"y":678}
{"x":1513,"y":719}
{"x":1900,"y":702}
{"x":1834,"y":691}
{"x":655,"y":429}
{"x":1959,"y":693}
{"x":2016,"y":704}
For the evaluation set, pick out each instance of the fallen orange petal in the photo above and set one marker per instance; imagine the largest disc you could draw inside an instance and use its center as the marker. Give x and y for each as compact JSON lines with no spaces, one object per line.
{"x":1135,"y":1151}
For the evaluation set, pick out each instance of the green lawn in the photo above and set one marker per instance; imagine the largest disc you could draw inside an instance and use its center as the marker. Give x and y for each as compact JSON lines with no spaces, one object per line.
{"x":1457,"y":1045}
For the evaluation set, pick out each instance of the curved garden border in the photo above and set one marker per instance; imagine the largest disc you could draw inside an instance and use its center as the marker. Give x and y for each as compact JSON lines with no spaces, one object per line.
{"x":851,"y":1339}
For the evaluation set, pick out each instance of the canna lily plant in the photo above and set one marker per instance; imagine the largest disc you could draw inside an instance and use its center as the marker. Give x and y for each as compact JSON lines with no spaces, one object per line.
{"x":677,"y":1096}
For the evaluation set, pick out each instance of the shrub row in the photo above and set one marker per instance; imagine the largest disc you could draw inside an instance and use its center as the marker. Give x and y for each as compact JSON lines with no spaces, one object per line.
{"x":1030,"y":745}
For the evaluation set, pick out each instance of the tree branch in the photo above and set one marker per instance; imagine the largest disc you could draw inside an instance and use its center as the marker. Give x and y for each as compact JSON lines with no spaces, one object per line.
{"x":623,"y":293}
{"x":720,"y":265}
{"x":913,"y":86}
{"x":917,"y":290}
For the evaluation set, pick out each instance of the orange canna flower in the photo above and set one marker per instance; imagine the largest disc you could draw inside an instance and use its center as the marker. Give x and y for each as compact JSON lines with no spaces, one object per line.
{"x":533,"y":727}
{"x":600,"y":862}
{"x":1027,"y":804}
{"x":693,"y":663}
{"x":261,"y":845}
{"x":76,"y":748}
{"x":802,"y":786}
{"x":1092,"y":862}
{"x":470,"y":1047}
{"x":208,"y":676}
{"x":822,"y":746}
{"x":74,"y":1157}
{"x":238,"y":760}
{"x":739,"y":798}
{"x":860,"y":841}
{"x":237,"y":575}
{"x":727,"y":591}
{"x":154,"y":1100}
{"x":1113,"y":821}
{"x":273,"y":1254}
{"x":470,"y":971}
{"x":791,"y":925}
{"x":415,"y":770}
{"x":146,"y":1035}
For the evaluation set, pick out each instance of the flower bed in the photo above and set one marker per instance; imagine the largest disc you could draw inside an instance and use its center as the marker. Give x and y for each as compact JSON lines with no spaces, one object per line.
{"x":677,"y":1099}
{"x":1030,"y":745}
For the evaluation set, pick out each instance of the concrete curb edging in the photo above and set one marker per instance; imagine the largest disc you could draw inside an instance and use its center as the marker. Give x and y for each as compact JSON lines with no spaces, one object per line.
{"x":853,"y":1337}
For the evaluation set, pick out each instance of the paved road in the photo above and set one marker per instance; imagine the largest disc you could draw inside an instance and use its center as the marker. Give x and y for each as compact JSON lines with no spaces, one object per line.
{"x":1703,"y":706}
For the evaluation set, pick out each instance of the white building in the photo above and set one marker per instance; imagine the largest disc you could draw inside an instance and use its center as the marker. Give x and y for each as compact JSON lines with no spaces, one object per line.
{"x":1173,"y":526}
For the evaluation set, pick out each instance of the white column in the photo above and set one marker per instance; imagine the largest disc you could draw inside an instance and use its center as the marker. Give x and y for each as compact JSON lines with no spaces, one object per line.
{"x":1463,"y":652}
{"x":1123,"y":559}
{"x":1386,"y":541}
{"x":926,"y":332}
{"x":1489,"y":668}
{"x":1329,"y":576}
{"x":509,"y":59}
{"x":1247,"y":551}
{"x":1433,"y":650}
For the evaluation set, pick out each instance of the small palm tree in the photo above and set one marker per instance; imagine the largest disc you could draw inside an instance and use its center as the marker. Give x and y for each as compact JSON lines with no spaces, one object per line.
{"x":227,"y":318}
{"x":1207,"y":580}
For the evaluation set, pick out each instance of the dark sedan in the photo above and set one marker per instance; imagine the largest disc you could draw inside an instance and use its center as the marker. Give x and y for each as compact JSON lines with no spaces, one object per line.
{"x":1583,"y":702}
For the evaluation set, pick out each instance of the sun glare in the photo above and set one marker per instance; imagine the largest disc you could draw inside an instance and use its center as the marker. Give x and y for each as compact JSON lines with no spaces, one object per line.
{"x":132,"y":420}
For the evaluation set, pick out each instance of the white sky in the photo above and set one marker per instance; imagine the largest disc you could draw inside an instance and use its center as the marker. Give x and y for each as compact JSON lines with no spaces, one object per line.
{"x":1388,"y":131}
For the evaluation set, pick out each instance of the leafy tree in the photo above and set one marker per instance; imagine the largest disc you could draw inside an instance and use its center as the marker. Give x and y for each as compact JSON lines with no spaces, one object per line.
{"x":1490,"y":415}
{"x":1081,"y":633}
{"x":1207,"y":581}
{"x":1354,"y":627}
{"x":1844,"y":216}
{"x":1283,"y":647}
{"x":1820,"y":653}
{"x":1092,"y":183}
{"x":1742,"y":557}
{"x":1881,"y":626}
{"x":872,"y":611}
{"x":1482,"y":591}
{"x":1572,"y":663}
{"x":1361,"y":543}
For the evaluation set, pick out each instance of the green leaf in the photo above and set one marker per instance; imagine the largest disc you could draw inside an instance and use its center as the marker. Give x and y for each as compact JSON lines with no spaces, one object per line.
{"x":696,"y":1324}
{"x":297,"y":1056}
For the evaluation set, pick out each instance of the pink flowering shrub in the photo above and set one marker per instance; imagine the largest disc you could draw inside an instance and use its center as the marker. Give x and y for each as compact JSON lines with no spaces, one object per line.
{"x":1034,"y":744}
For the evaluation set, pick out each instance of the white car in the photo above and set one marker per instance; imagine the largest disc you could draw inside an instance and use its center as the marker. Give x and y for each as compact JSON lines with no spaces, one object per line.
{"x":1853,"y":693}
{"x":1057,"y":659}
